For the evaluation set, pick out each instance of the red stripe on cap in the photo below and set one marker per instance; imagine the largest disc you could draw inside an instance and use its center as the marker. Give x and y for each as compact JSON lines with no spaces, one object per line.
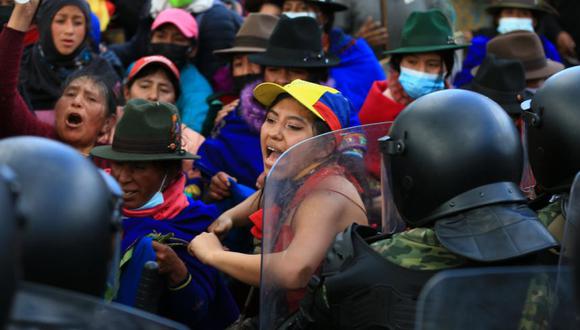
{"x":328,"y":115}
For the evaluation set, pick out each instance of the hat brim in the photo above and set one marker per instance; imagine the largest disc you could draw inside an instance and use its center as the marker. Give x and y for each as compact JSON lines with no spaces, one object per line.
{"x":494,"y":237}
{"x":331,"y":6}
{"x":267,"y":59}
{"x":107,"y":152}
{"x":507,"y":100}
{"x":239,"y":50}
{"x":424,"y":49}
{"x":493,"y":9}
{"x":266,"y":93}
{"x":550,"y":69}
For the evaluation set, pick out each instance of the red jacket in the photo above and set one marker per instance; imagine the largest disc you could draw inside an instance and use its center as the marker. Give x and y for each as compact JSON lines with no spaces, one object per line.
{"x":15,"y":116}
{"x":377,"y":107}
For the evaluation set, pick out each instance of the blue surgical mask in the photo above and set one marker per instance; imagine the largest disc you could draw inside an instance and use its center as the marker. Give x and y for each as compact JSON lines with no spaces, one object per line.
{"x":417,"y":83}
{"x":156,"y":199}
{"x":511,"y":24}
{"x":296,"y":14}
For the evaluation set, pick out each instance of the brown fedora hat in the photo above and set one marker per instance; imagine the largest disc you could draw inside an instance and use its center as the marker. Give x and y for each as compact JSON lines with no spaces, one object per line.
{"x":253,"y":35}
{"x":526,"y":47}
{"x":537,"y":6}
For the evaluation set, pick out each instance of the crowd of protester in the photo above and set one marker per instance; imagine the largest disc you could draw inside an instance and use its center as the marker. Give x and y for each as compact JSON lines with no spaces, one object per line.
{"x":189,"y":105}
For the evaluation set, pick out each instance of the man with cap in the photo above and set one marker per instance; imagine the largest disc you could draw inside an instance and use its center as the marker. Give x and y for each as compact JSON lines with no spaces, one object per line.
{"x":458,"y":214}
{"x":552,"y":119}
{"x":159,"y":218}
{"x":527,"y":48}
{"x":508,"y":16}
{"x":358,"y":67}
{"x":155,"y":78}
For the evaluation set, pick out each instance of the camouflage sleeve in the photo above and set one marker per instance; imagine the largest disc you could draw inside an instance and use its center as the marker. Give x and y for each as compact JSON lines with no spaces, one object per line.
{"x":552,"y":217}
{"x":418,"y":249}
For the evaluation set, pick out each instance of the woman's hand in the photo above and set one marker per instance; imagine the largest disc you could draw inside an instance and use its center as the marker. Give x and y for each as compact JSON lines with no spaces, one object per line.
{"x":219,"y":186}
{"x":226,"y":109}
{"x":22,"y":15}
{"x":170,"y":264}
{"x":204,"y":246}
{"x":221,"y":226}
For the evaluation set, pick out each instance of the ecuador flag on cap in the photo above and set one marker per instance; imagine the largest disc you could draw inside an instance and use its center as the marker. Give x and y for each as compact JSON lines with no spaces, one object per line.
{"x":326,"y":103}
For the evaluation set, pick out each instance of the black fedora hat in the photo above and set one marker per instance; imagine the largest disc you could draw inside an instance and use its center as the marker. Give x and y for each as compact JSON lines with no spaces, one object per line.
{"x":148,"y":131}
{"x":296,"y":43}
{"x":330,"y":5}
{"x":502,"y":80}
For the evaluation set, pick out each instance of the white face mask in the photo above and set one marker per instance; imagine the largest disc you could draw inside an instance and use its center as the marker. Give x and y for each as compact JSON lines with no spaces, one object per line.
{"x":156,"y":199}
{"x":296,"y":14}
{"x":510,"y":24}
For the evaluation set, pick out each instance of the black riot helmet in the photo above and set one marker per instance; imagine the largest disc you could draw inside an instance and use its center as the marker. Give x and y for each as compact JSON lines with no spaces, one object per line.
{"x":9,"y":250}
{"x":70,"y":214}
{"x":553,"y":131}
{"x":452,"y":151}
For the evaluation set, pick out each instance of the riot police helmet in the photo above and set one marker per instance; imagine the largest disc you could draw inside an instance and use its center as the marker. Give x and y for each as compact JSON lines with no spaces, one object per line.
{"x":70,"y":213}
{"x":553,"y":137}
{"x":451,"y":151}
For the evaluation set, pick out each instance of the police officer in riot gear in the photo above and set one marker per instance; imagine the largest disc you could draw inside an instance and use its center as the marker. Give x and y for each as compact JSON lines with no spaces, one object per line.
{"x":453,"y":160}
{"x":70,"y":212}
{"x":553,"y":139}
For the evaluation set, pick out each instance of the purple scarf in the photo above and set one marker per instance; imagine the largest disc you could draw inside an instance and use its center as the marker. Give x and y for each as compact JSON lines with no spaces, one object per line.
{"x":250,"y":109}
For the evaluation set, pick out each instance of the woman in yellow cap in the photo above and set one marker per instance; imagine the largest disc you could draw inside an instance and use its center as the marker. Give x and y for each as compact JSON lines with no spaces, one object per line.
{"x":296,"y":112}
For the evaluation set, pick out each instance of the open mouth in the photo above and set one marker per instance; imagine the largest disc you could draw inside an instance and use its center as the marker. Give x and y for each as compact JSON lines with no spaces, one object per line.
{"x":74,"y":120}
{"x":129,"y":194}
{"x":272,"y":155}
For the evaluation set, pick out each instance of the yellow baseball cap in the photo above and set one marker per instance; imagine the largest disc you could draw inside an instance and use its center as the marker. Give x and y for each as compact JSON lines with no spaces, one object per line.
{"x":325,"y":102}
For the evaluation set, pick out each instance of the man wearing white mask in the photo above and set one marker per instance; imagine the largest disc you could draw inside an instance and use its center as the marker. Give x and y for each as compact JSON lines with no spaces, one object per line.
{"x":508,"y":16}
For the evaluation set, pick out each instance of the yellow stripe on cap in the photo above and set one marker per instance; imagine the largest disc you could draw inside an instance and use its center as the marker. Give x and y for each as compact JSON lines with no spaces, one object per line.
{"x":306,"y":93}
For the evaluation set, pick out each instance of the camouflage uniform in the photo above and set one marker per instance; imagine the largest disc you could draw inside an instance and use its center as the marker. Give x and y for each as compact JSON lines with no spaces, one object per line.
{"x":418,"y":249}
{"x":553,"y":218}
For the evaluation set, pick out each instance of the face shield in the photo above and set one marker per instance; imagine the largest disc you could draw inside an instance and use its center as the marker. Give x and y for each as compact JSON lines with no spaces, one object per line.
{"x":300,"y":173}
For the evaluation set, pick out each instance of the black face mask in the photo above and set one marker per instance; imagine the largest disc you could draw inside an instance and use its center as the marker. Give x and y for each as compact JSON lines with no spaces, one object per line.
{"x":241,"y":81}
{"x":5,"y":12}
{"x":177,"y":54}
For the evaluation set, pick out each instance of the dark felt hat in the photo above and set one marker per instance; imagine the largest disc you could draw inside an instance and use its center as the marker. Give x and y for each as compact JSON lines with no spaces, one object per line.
{"x":253,"y":35}
{"x":330,"y":5}
{"x":537,"y":6}
{"x":296,"y":43}
{"x":428,"y":31}
{"x":147,"y":131}
{"x":503,"y":81}
{"x":526,"y":47}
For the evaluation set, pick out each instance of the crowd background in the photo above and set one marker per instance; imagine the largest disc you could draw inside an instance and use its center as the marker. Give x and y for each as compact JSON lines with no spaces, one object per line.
{"x":188,"y":104}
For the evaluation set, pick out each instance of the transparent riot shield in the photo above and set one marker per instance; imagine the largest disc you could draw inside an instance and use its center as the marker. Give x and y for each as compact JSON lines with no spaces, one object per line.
{"x":301,"y":175}
{"x":569,"y":245}
{"x":38,"y":306}
{"x":498,"y":298}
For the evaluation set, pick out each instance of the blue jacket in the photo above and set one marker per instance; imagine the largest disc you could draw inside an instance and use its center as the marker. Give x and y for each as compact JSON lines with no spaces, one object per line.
{"x":357,"y":71}
{"x":205,"y":302}
{"x":234,"y":150}
{"x":476,"y":53}
{"x":192,"y":102}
